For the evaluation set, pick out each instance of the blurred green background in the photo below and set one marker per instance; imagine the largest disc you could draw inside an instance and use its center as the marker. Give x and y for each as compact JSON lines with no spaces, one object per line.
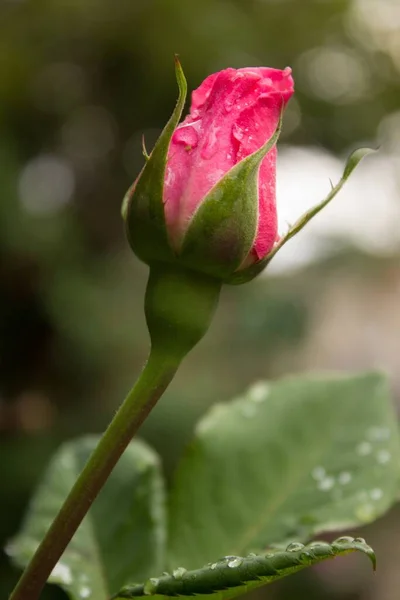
{"x":79,"y":84}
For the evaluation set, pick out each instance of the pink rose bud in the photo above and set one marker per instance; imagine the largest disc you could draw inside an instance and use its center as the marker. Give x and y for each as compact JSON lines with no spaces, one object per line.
{"x":206,"y":197}
{"x":233,"y":113}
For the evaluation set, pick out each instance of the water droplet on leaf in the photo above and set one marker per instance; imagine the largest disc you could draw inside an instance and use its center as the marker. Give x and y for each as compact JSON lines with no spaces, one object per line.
{"x":383,"y":456}
{"x":345,"y":539}
{"x":364,"y":449}
{"x":344,"y":478}
{"x":259,"y":392}
{"x":318,"y":473}
{"x":63,"y":573}
{"x":179,"y":572}
{"x":324,"y":547}
{"x":150,"y":587}
{"x":236,"y":562}
{"x":326,"y":484}
{"x":376,"y":494}
{"x":294,"y":547}
{"x":305,"y":558}
{"x":365,"y":513}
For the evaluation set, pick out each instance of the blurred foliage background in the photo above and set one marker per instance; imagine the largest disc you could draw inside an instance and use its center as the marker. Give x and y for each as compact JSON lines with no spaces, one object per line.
{"x":79,"y":84}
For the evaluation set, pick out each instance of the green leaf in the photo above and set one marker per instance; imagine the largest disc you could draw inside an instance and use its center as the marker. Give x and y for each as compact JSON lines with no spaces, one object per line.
{"x":254,"y":270}
{"x":143,"y":207}
{"x":223,"y":228}
{"x":288,"y":460}
{"x":234,"y":575}
{"x":123,"y":535}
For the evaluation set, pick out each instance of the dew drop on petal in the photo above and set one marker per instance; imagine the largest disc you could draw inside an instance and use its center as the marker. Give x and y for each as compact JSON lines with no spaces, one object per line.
{"x":186,"y":135}
{"x":237,"y":132}
{"x":211,"y":143}
{"x":229,"y":103}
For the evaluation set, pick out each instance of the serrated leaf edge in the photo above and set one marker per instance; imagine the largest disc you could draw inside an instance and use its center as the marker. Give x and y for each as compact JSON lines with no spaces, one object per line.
{"x":253,"y":571}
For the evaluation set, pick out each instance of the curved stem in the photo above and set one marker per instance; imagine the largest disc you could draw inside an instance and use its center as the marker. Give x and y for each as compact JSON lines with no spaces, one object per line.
{"x":154,"y":379}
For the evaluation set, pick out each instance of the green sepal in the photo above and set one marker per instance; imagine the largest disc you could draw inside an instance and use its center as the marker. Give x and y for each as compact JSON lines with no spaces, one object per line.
{"x":250,"y":272}
{"x":222,"y":230}
{"x":143,"y":207}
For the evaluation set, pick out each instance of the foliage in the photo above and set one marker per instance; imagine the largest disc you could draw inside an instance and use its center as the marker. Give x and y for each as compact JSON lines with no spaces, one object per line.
{"x":233,"y":575}
{"x":79,"y":83}
{"x":286,"y":461}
